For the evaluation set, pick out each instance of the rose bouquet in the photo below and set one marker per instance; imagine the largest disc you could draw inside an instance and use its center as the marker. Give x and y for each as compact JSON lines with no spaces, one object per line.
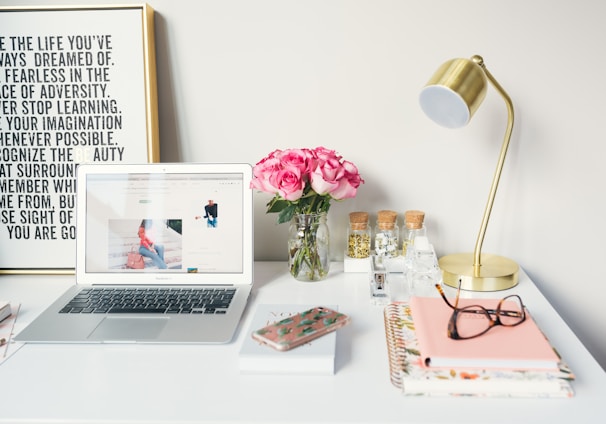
{"x":304,"y":182}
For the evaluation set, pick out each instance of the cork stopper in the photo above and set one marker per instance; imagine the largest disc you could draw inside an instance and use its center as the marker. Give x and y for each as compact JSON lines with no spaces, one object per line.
{"x":358,"y":220}
{"x":414,"y":219}
{"x":386,"y":220}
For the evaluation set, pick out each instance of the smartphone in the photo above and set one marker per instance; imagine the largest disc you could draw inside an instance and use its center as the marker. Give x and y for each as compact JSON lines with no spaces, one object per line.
{"x":298,"y":329}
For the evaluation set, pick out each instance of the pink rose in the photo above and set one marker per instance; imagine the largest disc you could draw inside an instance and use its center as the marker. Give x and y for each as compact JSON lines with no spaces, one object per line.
{"x":289,"y":183}
{"x":325,"y":177}
{"x":298,"y":158}
{"x":262,"y":173}
{"x":348,"y":185}
{"x":323,"y":154}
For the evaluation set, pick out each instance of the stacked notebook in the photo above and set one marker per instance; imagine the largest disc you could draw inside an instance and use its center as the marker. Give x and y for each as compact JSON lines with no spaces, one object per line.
{"x":423,"y":361}
{"x":313,"y":358}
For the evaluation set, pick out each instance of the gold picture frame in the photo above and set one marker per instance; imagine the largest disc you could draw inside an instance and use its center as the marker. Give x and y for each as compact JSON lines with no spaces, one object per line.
{"x":77,"y":84}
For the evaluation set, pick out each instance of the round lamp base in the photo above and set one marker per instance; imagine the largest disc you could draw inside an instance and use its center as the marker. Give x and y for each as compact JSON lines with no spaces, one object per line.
{"x":495,"y":272}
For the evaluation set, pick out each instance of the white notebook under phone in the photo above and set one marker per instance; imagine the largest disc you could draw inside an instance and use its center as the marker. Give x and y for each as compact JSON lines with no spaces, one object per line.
{"x":193,"y":250}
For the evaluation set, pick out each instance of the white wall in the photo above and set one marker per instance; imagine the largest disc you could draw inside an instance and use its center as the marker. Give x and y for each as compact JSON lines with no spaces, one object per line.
{"x":239,"y":78}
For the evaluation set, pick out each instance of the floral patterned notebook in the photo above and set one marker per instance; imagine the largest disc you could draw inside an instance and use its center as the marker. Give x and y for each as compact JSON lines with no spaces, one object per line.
{"x":408,"y":373}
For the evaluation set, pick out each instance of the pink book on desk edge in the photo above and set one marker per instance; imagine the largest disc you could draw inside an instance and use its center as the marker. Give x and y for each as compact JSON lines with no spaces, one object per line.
{"x":520,"y":347}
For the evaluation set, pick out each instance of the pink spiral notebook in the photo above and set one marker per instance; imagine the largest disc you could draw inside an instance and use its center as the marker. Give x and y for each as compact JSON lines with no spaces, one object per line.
{"x":520,"y":347}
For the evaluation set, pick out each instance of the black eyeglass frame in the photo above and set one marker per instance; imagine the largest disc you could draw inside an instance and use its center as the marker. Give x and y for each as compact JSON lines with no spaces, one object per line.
{"x":479,"y":309}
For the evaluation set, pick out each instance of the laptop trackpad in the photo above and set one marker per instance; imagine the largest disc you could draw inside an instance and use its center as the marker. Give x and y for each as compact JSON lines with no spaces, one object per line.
{"x":128,"y":329}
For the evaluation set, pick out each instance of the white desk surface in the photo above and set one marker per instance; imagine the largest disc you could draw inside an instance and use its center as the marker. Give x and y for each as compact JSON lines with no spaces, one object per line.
{"x":191,"y":384}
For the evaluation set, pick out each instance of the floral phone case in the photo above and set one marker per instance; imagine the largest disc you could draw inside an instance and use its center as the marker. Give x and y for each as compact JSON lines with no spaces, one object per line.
{"x":300,"y":328}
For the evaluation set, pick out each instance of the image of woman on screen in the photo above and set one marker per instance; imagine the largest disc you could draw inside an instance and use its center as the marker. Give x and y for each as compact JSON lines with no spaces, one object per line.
{"x":211,"y":213}
{"x":147,"y":246}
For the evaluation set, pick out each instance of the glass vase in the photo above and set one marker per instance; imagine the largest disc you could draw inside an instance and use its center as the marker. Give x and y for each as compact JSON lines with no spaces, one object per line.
{"x":308,"y":247}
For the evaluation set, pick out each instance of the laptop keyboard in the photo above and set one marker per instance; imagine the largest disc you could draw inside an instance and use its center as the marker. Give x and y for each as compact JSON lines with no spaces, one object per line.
{"x":105,"y":300}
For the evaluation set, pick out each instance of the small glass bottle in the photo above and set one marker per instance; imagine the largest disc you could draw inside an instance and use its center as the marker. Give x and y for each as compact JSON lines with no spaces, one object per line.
{"x":387,"y":234}
{"x":358,"y":236}
{"x":422,"y":270}
{"x":414,"y":227}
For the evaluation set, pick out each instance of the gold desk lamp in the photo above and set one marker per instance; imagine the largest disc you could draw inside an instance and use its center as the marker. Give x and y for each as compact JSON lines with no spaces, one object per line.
{"x":450,"y":98}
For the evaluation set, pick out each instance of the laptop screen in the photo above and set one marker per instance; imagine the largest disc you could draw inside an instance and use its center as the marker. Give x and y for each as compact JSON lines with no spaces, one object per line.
{"x":150,"y":220}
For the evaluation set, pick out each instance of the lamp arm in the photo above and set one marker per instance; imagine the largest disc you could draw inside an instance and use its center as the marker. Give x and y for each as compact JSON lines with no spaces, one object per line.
{"x":497,"y":175}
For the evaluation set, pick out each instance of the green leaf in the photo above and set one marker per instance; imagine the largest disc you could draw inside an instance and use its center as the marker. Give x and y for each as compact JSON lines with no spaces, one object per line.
{"x":277,"y":204}
{"x":284,"y":331}
{"x":329,"y":321}
{"x":306,"y":322}
{"x":287,"y":213}
{"x":305,"y":331}
{"x":285,"y":321}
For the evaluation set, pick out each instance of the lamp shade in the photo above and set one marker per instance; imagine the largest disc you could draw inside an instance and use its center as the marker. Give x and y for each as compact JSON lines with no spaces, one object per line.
{"x":454,"y":92}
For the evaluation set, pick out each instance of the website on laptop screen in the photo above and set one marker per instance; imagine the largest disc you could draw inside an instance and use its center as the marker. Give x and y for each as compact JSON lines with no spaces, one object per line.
{"x":179,"y":223}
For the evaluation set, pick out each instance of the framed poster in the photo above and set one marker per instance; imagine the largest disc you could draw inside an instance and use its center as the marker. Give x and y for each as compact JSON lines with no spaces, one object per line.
{"x":77,"y":84}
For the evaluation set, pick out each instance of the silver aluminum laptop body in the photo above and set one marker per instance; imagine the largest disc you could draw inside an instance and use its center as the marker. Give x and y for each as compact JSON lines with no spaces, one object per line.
{"x":113,"y":202}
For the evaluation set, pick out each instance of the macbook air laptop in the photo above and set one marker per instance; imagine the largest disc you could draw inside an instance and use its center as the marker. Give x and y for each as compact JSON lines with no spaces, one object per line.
{"x":164,"y":255}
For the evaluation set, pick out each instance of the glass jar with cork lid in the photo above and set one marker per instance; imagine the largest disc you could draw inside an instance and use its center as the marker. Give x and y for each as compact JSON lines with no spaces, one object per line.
{"x":413,"y":227}
{"x":358,"y":236}
{"x":386,"y":234}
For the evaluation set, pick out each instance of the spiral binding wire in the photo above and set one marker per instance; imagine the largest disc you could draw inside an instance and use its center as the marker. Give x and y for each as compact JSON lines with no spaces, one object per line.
{"x":396,"y":350}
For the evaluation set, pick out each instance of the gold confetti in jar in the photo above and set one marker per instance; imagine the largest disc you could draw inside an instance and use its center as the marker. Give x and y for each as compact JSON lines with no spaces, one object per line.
{"x":358,"y":236}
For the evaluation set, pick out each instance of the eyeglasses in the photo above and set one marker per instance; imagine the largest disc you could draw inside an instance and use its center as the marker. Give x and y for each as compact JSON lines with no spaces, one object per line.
{"x":474,"y":320}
